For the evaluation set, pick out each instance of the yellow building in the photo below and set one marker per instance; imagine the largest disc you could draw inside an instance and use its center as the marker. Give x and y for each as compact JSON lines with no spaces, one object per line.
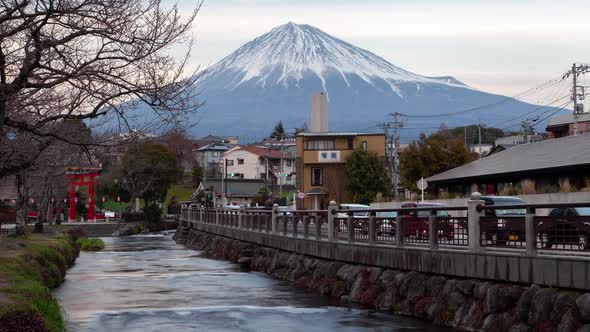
{"x":321,"y":159}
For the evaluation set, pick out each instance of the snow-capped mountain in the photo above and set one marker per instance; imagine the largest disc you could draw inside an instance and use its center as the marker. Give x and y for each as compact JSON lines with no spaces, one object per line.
{"x":273,"y":77}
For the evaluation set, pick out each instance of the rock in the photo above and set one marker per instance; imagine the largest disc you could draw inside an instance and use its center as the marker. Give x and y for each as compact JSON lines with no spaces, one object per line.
{"x":434,"y":285}
{"x":348,"y":273}
{"x":413,"y":286}
{"x":465,"y":287}
{"x":493,"y":323}
{"x":570,"y":321}
{"x":387,"y":276}
{"x":585,"y":328}
{"x":523,"y":305}
{"x":473,"y":319}
{"x":374,"y":274}
{"x":520,"y":327}
{"x":501,"y":298}
{"x":562,"y":303}
{"x":389,"y":297}
{"x":481,"y":290}
{"x":455,"y":301}
{"x":541,"y":306}
{"x":583,"y":304}
{"x":360,"y":285}
{"x":245,"y":261}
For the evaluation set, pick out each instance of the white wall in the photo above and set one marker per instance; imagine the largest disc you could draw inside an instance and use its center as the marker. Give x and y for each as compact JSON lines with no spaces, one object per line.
{"x":252,"y":166}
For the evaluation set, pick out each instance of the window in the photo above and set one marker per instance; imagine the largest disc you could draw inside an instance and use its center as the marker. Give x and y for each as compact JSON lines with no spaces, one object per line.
{"x":350,"y":143}
{"x":288,"y":163}
{"x":230,"y":162}
{"x":320,"y":145}
{"x":316,"y":177}
{"x":240,"y":161}
{"x":214,"y":154}
{"x":364,"y":146}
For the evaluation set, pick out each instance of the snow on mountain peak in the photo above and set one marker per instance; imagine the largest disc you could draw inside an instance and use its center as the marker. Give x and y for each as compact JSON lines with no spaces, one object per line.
{"x":290,"y":51}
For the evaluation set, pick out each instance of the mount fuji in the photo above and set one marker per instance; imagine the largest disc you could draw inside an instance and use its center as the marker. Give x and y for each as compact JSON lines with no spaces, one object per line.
{"x":273,"y":77}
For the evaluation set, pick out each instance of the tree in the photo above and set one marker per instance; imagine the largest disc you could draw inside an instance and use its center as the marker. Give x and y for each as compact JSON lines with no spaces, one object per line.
{"x":84,"y":59}
{"x":488,"y":135}
{"x":148,"y":170}
{"x":278,"y":132}
{"x":197,"y":174}
{"x":367,"y":176}
{"x":432,"y":155}
{"x":181,"y":145}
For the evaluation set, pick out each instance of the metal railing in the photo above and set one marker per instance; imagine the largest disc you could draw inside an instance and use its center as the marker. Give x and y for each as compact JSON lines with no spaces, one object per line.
{"x":431,"y":227}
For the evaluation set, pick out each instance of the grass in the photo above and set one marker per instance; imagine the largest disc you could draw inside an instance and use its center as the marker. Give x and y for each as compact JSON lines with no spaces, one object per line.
{"x":93,"y":244}
{"x":183,"y":192}
{"x":29,"y":268}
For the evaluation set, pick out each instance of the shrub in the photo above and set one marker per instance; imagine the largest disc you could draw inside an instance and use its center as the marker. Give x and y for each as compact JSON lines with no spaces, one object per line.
{"x":92,"y":244}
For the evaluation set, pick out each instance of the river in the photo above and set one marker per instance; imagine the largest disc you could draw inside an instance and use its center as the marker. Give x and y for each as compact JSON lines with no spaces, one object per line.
{"x":150,"y":283}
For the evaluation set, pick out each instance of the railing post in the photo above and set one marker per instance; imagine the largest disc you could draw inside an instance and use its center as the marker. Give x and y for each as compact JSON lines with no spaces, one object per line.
{"x":350,"y":227}
{"x":432,"y":230}
{"x":240,"y":216}
{"x":318,"y":227}
{"x":530,"y":232}
{"x":201,"y":213}
{"x":295,"y":224}
{"x":372,"y":228}
{"x":217,"y":212}
{"x":305,"y":220}
{"x":399,"y":230}
{"x":331,"y":216}
{"x":273,"y":218}
{"x":473,"y":224}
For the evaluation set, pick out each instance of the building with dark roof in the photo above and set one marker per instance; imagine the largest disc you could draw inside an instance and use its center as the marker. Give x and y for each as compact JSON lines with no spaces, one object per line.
{"x":561,"y":164}
{"x":563,"y":125}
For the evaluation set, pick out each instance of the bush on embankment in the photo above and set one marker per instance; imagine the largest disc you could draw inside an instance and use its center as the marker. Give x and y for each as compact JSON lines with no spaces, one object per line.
{"x":29,"y":268}
{"x":93,"y":244}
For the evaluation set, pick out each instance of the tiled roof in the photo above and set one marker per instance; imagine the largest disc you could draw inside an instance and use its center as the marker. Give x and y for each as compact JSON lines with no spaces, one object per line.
{"x":567,"y":119}
{"x":549,"y":154}
{"x":261,"y":152}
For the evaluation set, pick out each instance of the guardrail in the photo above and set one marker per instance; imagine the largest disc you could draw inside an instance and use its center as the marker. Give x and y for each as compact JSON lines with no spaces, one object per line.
{"x":428,"y":227}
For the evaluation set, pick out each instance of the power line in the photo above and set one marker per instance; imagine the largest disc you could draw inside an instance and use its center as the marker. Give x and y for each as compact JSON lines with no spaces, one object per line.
{"x":502,"y":101}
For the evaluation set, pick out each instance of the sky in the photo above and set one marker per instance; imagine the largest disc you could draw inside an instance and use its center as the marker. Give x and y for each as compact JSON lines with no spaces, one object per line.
{"x":500,"y":46}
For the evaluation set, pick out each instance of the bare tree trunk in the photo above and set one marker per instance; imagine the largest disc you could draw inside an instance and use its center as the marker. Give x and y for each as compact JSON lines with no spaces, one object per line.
{"x":21,"y":204}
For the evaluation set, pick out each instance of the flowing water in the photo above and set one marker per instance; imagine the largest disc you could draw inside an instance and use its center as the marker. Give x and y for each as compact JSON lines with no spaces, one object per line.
{"x":150,"y":283}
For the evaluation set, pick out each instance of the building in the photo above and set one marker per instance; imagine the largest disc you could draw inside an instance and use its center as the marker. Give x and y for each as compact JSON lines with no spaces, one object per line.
{"x":210,"y":156}
{"x":556,"y":165}
{"x":237,"y":191}
{"x":563,"y":125}
{"x":275,"y":167}
{"x":321,"y":160}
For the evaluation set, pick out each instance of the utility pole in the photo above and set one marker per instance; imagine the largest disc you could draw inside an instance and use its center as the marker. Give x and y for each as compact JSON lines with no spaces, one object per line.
{"x":527,"y":129}
{"x":281,"y":169}
{"x":577,"y":91}
{"x":388,"y":150}
{"x":479,"y":134}
{"x":397,"y":124}
{"x":465,"y":136}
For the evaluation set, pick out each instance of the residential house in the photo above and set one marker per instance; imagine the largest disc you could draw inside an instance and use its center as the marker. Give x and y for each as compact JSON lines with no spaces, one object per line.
{"x":321,"y":160}
{"x":210,"y":157}
{"x":237,"y":191}
{"x":561,"y":164}
{"x":563,"y":125}
{"x":275,"y":167}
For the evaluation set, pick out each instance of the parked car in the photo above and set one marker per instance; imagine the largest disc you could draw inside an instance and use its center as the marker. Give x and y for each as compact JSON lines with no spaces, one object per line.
{"x":360,"y":221}
{"x":285,"y":210}
{"x":416,"y":223}
{"x":566,"y":227}
{"x":386,"y":223}
{"x":509,"y":225}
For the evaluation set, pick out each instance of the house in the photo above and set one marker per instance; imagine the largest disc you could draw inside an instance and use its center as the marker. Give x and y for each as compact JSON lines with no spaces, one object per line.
{"x":563,"y":125}
{"x":275,"y":167}
{"x":237,"y":191}
{"x":555,"y":165}
{"x":321,"y":160}
{"x":210,"y":157}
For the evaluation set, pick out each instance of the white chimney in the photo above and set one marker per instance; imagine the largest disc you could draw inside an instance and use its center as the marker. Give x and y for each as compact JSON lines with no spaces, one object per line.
{"x":319,"y":113}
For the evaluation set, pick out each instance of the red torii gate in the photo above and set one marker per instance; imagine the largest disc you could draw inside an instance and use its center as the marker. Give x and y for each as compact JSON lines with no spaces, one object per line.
{"x":82,"y":177}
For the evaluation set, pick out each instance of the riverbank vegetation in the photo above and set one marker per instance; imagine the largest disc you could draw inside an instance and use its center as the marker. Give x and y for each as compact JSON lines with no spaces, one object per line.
{"x":93,"y":244}
{"x":30,"y":266}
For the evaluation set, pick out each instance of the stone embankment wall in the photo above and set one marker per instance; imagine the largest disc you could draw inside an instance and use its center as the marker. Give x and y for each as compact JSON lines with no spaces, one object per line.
{"x":465,"y":304}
